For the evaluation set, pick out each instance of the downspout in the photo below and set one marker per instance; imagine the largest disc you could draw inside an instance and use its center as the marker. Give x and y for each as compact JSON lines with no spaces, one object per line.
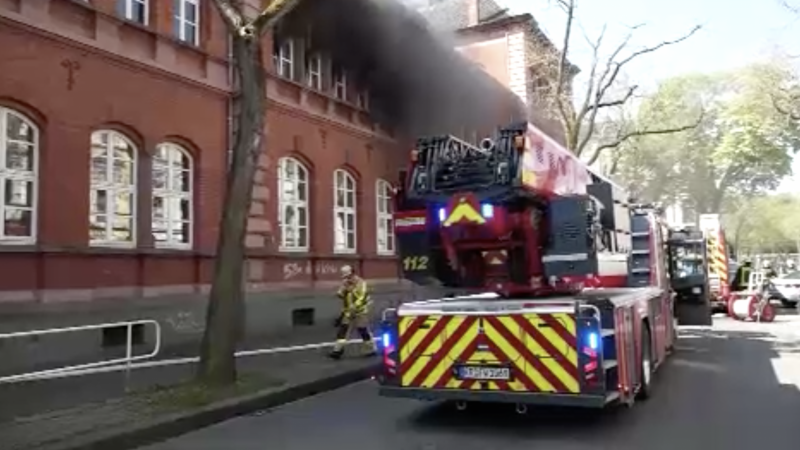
{"x":231,"y":82}
{"x":508,"y":71}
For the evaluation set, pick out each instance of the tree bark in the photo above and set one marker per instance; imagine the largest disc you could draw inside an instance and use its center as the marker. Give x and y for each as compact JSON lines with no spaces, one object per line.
{"x":225,"y":314}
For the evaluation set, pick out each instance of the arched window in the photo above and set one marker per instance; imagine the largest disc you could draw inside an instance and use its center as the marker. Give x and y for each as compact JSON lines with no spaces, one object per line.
{"x":19,"y":152}
{"x":293,"y":204}
{"x":112,"y":196}
{"x":172,"y":196}
{"x":385,"y":227}
{"x":344,"y":212}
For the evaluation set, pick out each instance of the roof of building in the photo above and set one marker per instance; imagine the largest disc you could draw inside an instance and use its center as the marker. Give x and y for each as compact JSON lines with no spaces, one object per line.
{"x":452,"y":15}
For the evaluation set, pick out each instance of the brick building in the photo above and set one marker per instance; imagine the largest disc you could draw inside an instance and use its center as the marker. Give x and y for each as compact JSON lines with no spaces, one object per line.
{"x":112,"y":157}
{"x":510,"y":48}
{"x":114,"y":125}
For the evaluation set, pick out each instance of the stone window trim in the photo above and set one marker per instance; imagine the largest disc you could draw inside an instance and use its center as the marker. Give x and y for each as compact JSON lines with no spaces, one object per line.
{"x":182,"y":21}
{"x":339,"y":83}
{"x":293,"y":191}
{"x":283,"y":57}
{"x":110,"y":149}
{"x":176,"y":196}
{"x":128,"y":10}
{"x":21,"y":134}
{"x":345,"y":214}
{"x":384,"y":218}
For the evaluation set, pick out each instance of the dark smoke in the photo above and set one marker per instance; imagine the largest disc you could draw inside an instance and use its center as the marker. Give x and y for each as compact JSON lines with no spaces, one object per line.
{"x":418,"y":84}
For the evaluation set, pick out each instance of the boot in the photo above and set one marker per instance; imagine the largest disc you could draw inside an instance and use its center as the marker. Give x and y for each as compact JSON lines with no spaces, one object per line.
{"x":336,"y":354}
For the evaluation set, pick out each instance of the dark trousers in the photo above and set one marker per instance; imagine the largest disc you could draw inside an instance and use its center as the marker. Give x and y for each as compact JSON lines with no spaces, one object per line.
{"x":361,"y":324}
{"x":344,"y":329}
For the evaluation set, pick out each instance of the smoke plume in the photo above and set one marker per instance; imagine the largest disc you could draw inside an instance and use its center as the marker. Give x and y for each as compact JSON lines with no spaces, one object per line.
{"x":418,"y":84}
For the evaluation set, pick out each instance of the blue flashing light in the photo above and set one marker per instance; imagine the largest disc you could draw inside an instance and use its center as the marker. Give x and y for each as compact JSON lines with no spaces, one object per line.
{"x":442,"y":214}
{"x":592,"y":340}
{"x":386,"y":339}
{"x":487,"y":210}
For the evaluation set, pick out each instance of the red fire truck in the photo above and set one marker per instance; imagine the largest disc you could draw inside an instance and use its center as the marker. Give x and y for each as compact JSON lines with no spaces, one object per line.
{"x":560,"y":287}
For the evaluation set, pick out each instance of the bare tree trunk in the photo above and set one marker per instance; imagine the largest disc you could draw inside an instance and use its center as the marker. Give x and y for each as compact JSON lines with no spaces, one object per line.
{"x":225,"y":315}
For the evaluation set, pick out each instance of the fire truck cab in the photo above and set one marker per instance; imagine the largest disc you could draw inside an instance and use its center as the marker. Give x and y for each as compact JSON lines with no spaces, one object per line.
{"x":560,"y":284}
{"x":689,"y":275}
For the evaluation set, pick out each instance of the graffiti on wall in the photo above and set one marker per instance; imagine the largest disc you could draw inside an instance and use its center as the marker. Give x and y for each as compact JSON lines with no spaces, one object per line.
{"x":184,"y":322}
{"x":295,"y":270}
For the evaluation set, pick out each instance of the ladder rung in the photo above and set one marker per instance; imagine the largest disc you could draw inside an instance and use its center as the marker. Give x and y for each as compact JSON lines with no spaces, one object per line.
{"x":640,"y":270}
{"x":640,"y":234}
{"x":640,"y":252}
{"x":609,"y":364}
{"x":607,"y":332}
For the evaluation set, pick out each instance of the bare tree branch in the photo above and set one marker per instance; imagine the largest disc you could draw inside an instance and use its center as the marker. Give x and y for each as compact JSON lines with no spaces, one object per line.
{"x":790,"y":7}
{"x":590,"y":90}
{"x":265,"y":20}
{"x":637,"y":133}
{"x":276,"y":10}
{"x":569,"y":8}
{"x":580,"y":125}
{"x":230,"y":14}
{"x":619,"y":102}
{"x":613,"y":67}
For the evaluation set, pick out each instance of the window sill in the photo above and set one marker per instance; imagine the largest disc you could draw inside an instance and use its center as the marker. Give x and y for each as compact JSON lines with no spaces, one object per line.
{"x":105,"y":244}
{"x":176,"y":247}
{"x":293,"y":249}
{"x":349,"y":251}
{"x":17,"y":242}
{"x":386,"y":253}
{"x":322,"y":92}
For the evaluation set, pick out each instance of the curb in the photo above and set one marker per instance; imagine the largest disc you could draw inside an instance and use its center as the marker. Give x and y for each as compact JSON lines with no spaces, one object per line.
{"x":170,"y":426}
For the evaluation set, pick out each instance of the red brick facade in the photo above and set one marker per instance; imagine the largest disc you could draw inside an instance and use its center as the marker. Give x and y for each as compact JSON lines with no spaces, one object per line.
{"x":72,"y":68}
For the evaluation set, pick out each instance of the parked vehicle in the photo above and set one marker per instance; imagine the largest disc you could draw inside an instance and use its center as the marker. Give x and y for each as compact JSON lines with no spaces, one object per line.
{"x":786,"y":289}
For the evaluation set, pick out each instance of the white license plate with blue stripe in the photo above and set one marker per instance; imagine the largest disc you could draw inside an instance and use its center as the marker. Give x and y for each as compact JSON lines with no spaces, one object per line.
{"x":484,"y":373}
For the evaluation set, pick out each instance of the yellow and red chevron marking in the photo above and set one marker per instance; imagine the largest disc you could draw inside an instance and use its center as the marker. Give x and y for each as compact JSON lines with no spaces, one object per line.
{"x":541,"y":349}
{"x":717,"y":260}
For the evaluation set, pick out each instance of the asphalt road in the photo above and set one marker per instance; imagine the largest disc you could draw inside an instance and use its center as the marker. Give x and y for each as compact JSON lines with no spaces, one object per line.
{"x":734,"y":386}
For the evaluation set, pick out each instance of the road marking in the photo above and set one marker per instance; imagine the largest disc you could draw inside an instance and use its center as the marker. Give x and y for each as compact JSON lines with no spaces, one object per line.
{"x":700,"y":365}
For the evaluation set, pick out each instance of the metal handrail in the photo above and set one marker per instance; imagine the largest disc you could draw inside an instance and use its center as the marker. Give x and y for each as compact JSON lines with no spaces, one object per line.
{"x":386,"y":312}
{"x":123,"y":363}
{"x":170,"y":362}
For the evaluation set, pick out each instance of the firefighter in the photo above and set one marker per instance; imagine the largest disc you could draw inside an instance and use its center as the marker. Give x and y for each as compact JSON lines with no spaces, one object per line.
{"x":355,"y":313}
{"x":742,"y":278}
{"x":769,"y":272}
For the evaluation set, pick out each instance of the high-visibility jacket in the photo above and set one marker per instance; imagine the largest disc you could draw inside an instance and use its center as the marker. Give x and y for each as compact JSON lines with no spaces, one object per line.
{"x":355,"y":297}
{"x":742,"y":278}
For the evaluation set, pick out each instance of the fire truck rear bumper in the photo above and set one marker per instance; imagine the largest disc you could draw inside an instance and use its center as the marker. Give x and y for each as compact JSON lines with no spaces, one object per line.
{"x":527,"y":398}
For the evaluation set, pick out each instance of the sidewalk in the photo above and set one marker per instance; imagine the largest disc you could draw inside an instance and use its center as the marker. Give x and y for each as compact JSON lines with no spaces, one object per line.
{"x":34,"y":415}
{"x":182,"y":320}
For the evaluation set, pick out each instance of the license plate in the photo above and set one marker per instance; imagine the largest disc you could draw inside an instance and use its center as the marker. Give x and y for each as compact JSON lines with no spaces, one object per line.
{"x":484,"y":373}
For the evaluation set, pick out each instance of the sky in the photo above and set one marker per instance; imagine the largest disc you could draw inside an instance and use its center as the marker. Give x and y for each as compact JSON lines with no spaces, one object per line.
{"x":733,"y":33}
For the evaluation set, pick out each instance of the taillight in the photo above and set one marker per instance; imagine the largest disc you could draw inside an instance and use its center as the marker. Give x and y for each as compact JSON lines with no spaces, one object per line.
{"x":590,"y":347}
{"x":389,"y":353}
